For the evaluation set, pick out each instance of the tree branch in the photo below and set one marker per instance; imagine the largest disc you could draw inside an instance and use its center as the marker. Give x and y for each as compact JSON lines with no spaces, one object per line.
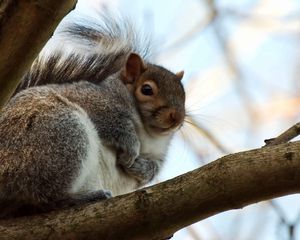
{"x":156,"y":212}
{"x":286,"y":136}
{"x":25,"y":26}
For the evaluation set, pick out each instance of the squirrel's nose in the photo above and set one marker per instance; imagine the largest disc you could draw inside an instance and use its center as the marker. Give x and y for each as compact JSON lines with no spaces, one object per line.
{"x":175,"y":117}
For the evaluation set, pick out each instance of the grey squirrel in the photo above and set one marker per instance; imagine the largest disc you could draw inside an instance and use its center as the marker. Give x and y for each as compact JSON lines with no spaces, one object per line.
{"x":99,"y":126}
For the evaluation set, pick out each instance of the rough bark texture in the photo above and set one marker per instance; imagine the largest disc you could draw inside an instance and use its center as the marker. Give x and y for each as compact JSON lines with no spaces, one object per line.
{"x":230,"y":182}
{"x":25,"y":26}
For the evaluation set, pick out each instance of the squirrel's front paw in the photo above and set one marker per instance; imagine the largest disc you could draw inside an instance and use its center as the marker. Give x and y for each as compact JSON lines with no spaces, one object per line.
{"x":127,"y":156}
{"x":143,"y":169}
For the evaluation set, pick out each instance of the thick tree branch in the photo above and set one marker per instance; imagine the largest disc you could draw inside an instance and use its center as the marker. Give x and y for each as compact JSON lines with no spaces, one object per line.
{"x":231,"y":182}
{"x":25,"y":26}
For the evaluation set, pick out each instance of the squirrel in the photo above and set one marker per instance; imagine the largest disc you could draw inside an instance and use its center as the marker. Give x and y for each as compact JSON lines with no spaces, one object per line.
{"x":87,"y":127}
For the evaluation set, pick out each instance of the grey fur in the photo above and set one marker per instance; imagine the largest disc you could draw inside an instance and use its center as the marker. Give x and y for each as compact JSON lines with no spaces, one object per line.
{"x":144,"y":168}
{"x":43,"y":145}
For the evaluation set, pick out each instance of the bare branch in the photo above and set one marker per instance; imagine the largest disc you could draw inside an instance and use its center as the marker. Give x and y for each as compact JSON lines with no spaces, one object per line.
{"x":25,"y":26}
{"x":156,"y":212}
{"x":198,"y":28}
{"x":286,"y":136}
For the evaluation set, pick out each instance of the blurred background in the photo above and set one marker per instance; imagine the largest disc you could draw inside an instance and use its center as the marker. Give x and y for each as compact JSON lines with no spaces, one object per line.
{"x":242,"y":78}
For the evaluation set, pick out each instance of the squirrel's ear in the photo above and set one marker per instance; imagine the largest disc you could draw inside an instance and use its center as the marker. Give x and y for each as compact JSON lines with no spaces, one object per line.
{"x":134,"y":67}
{"x":180,"y":74}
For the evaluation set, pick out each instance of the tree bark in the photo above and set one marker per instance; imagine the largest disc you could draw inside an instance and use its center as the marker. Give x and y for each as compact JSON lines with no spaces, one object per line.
{"x":25,"y":26}
{"x":157,"y":212}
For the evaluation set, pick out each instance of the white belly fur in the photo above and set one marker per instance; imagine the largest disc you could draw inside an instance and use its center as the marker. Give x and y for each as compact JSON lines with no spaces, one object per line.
{"x":99,"y":169}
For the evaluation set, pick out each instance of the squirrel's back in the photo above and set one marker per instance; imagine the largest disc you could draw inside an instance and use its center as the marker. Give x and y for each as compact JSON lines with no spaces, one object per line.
{"x":41,"y":139}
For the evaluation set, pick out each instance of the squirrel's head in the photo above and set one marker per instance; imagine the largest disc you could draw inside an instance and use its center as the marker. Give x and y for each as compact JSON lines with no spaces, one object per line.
{"x":158,"y":92}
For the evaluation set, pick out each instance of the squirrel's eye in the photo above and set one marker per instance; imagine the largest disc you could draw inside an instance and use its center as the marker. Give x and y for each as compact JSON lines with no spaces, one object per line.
{"x":147,"y":90}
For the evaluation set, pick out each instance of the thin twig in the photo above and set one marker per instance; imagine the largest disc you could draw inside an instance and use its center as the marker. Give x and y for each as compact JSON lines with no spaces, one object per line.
{"x":191,"y":33}
{"x":193,"y":233}
{"x":285,"y":137}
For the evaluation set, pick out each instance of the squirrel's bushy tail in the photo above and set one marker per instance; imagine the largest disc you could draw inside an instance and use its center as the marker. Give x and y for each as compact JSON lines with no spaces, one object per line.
{"x":86,"y":49}
{"x":108,"y":34}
